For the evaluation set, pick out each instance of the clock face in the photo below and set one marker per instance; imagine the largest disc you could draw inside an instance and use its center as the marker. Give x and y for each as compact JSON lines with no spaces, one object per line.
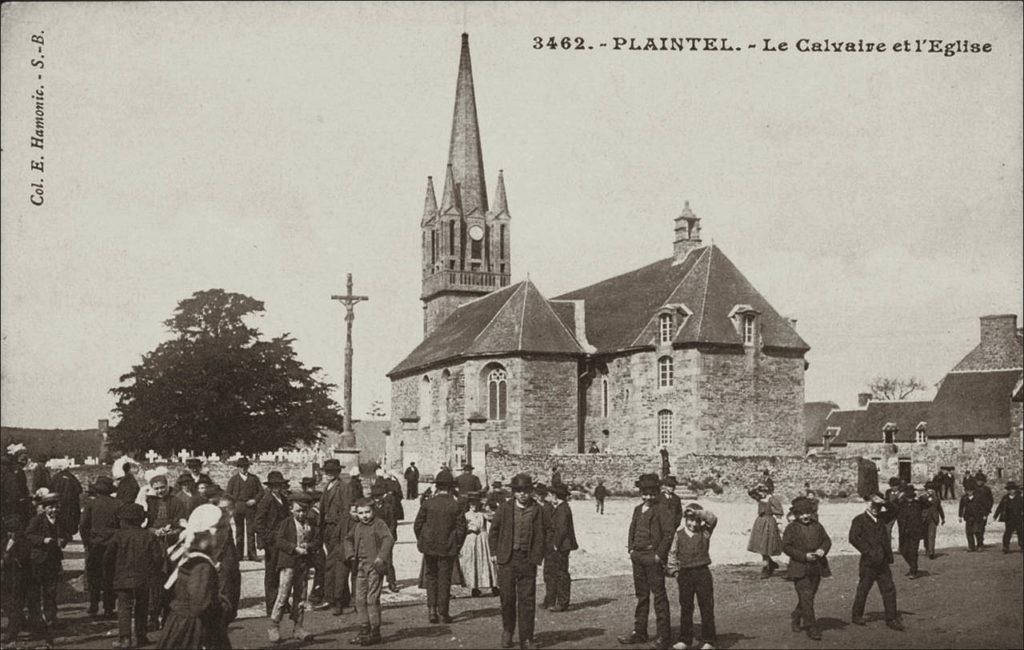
{"x":476,"y":233}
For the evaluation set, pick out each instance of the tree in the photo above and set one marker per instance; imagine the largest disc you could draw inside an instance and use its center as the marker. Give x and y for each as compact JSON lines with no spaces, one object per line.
{"x":219,"y":386}
{"x":376,"y":410}
{"x":890,"y":388}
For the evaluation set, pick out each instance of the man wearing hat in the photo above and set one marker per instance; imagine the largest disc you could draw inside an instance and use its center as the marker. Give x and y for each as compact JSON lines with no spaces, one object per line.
{"x":384,"y":509}
{"x":246,"y":490}
{"x":46,"y":556}
{"x":542,"y":495}
{"x":163,"y":517}
{"x":672,"y":502}
{"x":335,"y":502}
{"x":295,"y":539}
{"x":934,"y":516}
{"x":806,"y":543}
{"x":127,"y":485}
{"x":871,"y":538}
{"x":912,"y":518}
{"x":270,"y":512}
{"x":563,"y":541}
{"x":467,"y":481}
{"x":972,"y":513}
{"x":194,"y":467}
{"x":984,"y":493}
{"x":137,"y":559}
{"x":412,"y":481}
{"x":518,"y":537}
{"x":99,"y":522}
{"x":1011,"y":513}
{"x":648,"y":541}
{"x":440,"y":529}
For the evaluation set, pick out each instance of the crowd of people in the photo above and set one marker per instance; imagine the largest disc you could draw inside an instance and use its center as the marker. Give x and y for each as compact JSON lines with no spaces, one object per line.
{"x":165,"y":561}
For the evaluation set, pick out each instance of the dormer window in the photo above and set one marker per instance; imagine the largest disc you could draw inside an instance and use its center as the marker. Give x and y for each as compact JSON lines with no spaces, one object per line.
{"x":889,"y":433}
{"x":744,"y":318}
{"x":665,"y":328}
{"x":830,"y":434}
{"x":748,"y":329}
{"x":921,"y":433}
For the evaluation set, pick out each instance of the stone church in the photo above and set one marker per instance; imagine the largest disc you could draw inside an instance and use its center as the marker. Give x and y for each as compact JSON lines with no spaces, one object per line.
{"x":682,"y":354}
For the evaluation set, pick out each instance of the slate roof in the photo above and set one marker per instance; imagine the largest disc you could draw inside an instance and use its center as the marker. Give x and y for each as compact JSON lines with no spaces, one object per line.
{"x":55,"y":443}
{"x":906,"y":415}
{"x":815,"y":414}
{"x":974,"y":404}
{"x":513,"y":320}
{"x":621,"y":311}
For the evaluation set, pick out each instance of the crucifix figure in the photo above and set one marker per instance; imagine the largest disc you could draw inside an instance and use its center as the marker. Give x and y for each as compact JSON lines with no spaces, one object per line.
{"x":348,"y":437}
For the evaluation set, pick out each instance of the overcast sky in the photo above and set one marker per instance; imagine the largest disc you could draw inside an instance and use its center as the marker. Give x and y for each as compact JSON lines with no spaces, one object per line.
{"x":271,"y":148}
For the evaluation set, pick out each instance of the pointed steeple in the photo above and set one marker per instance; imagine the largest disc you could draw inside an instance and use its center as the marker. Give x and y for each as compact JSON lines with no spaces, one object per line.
{"x":429,"y":204}
{"x":450,"y":203}
{"x":464,"y":153}
{"x":500,"y":202}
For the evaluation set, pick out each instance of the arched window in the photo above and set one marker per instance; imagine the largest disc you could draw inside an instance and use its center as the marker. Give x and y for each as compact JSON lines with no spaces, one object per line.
{"x":425,"y":405}
{"x":497,"y":394}
{"x":604,"y":397}
{"x":664,"y":428}
{"x":665,"y":371}
{"x":444,"y":390}
{"x":665,"y":328}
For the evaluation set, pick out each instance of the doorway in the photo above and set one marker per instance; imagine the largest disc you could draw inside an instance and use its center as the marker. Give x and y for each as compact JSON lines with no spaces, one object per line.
{"x":904,"y":470}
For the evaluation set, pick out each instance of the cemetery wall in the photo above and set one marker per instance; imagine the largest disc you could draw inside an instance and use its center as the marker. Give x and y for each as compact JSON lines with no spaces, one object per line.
{"x":219,"y":471}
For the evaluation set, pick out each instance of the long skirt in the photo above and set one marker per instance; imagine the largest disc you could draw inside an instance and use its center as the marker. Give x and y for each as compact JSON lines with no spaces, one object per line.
{"x":764,"y":536}
{"x":475,"y":560}
{"x":194,"y":633}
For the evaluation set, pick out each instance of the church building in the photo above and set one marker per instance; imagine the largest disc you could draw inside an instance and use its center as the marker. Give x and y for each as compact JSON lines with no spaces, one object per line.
{"x":683,"y":354}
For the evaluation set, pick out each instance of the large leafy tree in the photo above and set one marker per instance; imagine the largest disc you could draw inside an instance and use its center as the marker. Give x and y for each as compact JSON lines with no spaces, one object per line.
{"x":219,"y":386}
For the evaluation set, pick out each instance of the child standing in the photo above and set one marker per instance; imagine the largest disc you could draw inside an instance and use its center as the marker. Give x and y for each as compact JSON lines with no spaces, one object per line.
{"x":475,"y":556}
{"x":600,"y":494}
{"x":806,"y":543}
{"x":135,"y":560}
{"x":368,"y":547}
{"x":688,"y":561}
{"x":46,"y":557}
{"x":764,"y":534}
{"x":295,"y":540}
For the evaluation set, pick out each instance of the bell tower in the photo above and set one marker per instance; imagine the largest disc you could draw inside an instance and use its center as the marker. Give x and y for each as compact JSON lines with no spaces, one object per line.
{"x":465,"y":244}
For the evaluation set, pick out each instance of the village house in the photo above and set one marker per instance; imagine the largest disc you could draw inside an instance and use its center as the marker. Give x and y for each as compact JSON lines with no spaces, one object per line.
{"x":682,"y":354}
{"x":974,"y":422}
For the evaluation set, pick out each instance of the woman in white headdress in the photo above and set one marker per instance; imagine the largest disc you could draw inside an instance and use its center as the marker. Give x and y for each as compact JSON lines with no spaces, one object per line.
{"x":196,"y":620}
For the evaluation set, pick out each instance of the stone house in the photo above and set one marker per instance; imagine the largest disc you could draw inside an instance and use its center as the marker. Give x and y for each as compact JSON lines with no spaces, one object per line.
{"x":683,"y":354}
{"x":974,"y":421}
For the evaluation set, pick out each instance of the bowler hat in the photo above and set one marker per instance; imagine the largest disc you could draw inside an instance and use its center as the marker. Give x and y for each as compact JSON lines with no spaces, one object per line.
{"x":301,"y":498}
{"x":522,"y":482}
{"x":103,"y":485}
{"x":307,"y":481}
{"x":467,"y":468}
{"x":444,"y":479}
{"x":1012,"y":485}
{"x":213,"y":490}
{"x":205,"y":478}
{"x":561,"y":491}
{"x":378,"y":490}
{"x":648,"y":483}
{"x":193,"y":462}
{"x":185,"y":479}
{"x":894,"y":481}
{"x":670,"y":481}
{"x":242,"y":462}
{"x":275,"y":477}
{"x":332,"y":466}
{"x":803,"y":506}
{"x":132,"y":513}
{"x":43,"y":495}
{"x":970,"y":483}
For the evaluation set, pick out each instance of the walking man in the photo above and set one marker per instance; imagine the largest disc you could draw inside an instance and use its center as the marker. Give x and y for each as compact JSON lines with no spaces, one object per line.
{"x":271,"y":511}
{"x":806,"y":543}
{"x":649,"y":541}
{"x":246,"y":490}
{"x":1011,"y":513}
{"x":563,"y":542}
{"x":972,"y":515}
{"x":600,"y":494}
{"x":912,"y":519}
{"x":934,"y":516}
{"x":335,"y":503}
{"x":467,"y":482}
{"x":871,"y":538}
{"x":984,"y":493}
{"x":518,"y":535}
{"x":440,"y":529}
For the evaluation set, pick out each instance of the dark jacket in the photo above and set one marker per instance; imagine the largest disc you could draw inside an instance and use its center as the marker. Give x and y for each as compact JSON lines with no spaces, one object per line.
{"x":972,"y":507}
{"x":286,"y":541}
{"x":175,"y":512}
{"x":660,"y":531}
{"x":134,"y":557}
{"x":269,"y":514}
{"x":440,"y":526}
{"x":600,"y":492}
{"x":228,"y":571}
{"x":872,"y":540}
{"x":243,"y":490}
{"x":127,"y":489}
{"x":69,"y":517}
{"x":46,"y":557}
{"x":912,"y":517}
{"x":467,"y":483}
{"x":335,"y":503}
{"x":674,"y":505}
{"x":99,"y":520}
{"x":1010,"y":510}
{"x":563,"y":532}
{"x":934,"y":513}
{"x":798,"y":540}
{"x":501,"y":536}
{"x":412,"y":475}
{"x":984,"y":493}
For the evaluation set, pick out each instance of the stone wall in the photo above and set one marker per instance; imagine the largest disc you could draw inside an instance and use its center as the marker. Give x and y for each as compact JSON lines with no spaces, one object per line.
{"x":219,"y":472}
{"x":999,"y":458}
{"x":830,"y":476}
{"x":549,"y":405}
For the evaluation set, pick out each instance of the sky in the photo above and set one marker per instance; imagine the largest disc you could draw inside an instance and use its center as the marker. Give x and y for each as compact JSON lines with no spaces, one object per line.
{"x":270,"y":149}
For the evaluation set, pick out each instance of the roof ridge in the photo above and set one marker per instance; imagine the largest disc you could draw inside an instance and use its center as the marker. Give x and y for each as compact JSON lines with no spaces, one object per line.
{"x":547,"y":303}
{"x":704,"y":298}
{"x":673,"y":291}
{"x":497,"y":312}
{"x":522,"y":314}
{"x":964,"y":372}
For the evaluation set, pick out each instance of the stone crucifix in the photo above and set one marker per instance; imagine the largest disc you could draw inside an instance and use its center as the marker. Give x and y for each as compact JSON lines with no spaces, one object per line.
{"x":348,"y":437}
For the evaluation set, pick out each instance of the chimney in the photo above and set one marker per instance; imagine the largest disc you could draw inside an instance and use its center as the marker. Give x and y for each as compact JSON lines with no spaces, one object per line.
{"x":687,"y":234}
{"x":863,"y":399}
{"x":792,"y":323}
{"x":998,"y":329}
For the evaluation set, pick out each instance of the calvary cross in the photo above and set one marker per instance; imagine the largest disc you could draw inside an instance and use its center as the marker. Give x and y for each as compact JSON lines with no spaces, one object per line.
{"x":349,"y":300}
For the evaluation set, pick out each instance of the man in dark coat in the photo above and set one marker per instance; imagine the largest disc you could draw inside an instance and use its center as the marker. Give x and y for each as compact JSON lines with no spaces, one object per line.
{"x":911,"y":514}
{"x":649,"y":540}
{"x":163,"y":516}
{"x":43,"y":537}
{"x":518,"y":536}
{"x":672,"y":502}
{"x":871,"y":538}
{"x":984,"y":493}
{"x":99,"y":523}
{"x":14,"y":492}
{"x":806,"y":544}
{"x":69,"y":513}
{"x":440,"y":530}
{"x":128,"y":486}
{"x":544,"y":498}
{"x":563,"y":542}
{"x":972,"y":513}
{"x":412,"y":481}
{"x":246,"y":490}
{"x":270,"y":512}
{"x":335,"y":502}
{"x":135,"y":559}
{"x":194,"y":467}
{"x":384,"y":509}
{"x":467,"y":482}
{"x":1011,"y":513}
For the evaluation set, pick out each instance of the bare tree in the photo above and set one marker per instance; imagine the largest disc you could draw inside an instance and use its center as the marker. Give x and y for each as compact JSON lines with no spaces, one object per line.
{"x":892,"y":388}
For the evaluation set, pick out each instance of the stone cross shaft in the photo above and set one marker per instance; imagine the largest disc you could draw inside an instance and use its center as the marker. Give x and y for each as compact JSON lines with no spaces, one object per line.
{"x":349,"y":300}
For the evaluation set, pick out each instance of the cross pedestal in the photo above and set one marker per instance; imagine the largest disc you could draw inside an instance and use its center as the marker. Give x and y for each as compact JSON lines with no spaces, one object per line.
{"x":348,"y":457}
{"x":347,"y":444}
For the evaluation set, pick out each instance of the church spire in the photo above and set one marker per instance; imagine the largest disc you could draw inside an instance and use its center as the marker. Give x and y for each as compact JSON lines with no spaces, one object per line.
{"x":450,"y":197}
{"x":429,"y":204}
{"x":500,"y":202}
{"x":464,"y":152}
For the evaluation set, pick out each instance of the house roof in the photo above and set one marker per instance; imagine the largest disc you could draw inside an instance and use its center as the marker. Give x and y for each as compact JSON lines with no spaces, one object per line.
{"x":621,"y":312}
{"x":974,"y":404}
{"x":906,"y":415}
{"x":513,"y":320}
{"x":55,"y":443}
{"x":815,"y":414}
